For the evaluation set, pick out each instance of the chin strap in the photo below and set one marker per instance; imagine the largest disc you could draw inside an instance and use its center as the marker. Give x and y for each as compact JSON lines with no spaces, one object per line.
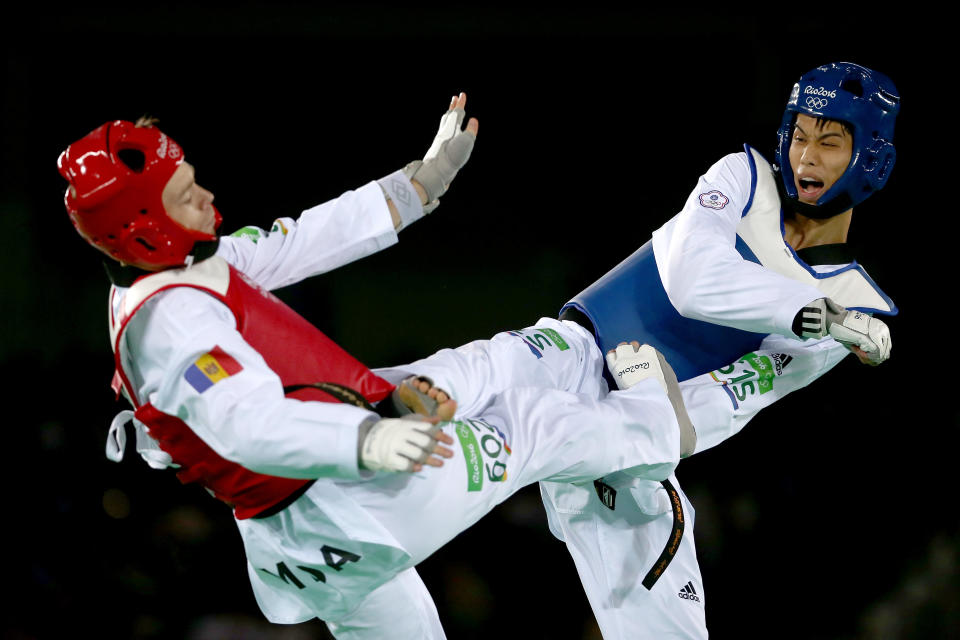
{"x":204,"y":249}
{"x":124,"y":275}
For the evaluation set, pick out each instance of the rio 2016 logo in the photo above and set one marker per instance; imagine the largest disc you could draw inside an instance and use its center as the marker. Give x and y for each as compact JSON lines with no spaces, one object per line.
{"x":482,"y":445}
{"x":817,"y":96}
{"x":634,"y":367}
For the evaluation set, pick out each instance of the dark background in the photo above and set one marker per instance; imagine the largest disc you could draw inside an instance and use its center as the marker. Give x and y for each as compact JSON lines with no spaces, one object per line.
{"x":832,"y":516}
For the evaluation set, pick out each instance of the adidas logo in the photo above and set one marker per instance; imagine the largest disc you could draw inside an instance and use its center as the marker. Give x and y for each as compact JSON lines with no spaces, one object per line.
{"x":689,"y":593}
{"x":812,"y":322}
{"x":780,"y":362}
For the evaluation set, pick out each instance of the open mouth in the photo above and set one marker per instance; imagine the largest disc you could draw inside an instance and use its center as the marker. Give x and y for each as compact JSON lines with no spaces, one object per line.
{"x":810,"y":187}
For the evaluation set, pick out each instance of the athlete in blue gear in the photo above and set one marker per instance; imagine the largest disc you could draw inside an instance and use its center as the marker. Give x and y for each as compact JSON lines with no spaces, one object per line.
{"x":835,"y":149}
{"x":749,"y":293}
{"x":755,"y":264}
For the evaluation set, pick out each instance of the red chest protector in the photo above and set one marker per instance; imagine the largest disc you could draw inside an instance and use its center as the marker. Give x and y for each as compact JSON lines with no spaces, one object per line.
{"x":293,"y":348}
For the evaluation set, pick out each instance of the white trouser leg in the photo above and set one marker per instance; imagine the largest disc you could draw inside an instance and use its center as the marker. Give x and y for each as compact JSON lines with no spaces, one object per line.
{"x":553,"y":354}
{"x":399,"y":608}
{"x":526,"y":435}
{"x":615,"y":549}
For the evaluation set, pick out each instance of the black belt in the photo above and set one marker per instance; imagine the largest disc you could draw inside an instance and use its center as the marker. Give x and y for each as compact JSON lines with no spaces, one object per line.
{"x":673,"y":543}
{"x":283,"y":504}
{"x":608,"y":496}
{"x":346,"y":395}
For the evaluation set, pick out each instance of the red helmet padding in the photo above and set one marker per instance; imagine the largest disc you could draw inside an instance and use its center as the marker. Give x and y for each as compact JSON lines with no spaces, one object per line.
{"x":118,"y":208}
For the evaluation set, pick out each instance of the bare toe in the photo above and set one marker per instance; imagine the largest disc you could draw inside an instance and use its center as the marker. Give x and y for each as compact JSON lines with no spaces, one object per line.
{"x":418,"y":394}
{"x":446,"y":410}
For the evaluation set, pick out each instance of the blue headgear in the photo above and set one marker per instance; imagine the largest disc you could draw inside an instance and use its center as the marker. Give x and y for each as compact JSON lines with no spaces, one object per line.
{"x":865,"y":100}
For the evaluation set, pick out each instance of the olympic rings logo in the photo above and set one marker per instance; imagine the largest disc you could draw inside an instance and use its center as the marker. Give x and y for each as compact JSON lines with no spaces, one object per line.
{"x":817,"y":103}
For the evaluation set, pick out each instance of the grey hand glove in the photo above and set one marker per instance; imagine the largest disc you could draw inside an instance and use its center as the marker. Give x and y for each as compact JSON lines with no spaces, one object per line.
{"x":450,"y":150}
{"x":823,"y":317}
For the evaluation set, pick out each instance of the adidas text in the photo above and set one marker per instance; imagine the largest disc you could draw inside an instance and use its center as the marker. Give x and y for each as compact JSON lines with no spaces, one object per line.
{"x":689,"y":593}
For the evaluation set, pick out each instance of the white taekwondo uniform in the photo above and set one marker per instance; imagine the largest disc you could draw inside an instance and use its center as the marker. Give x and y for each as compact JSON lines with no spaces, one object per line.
{"x":716,"y":290}
{"x":345,"y":549}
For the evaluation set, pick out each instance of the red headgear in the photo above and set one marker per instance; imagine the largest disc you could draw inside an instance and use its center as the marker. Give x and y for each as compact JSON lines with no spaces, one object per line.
{"x":117,"y":173}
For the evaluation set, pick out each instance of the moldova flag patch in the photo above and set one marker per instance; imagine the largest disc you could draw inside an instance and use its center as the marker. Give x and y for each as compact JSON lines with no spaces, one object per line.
{"x":211,"y":368}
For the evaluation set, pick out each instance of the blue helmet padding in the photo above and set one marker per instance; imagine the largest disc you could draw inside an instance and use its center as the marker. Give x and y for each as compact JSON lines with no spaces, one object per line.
{"x":866,"y":100}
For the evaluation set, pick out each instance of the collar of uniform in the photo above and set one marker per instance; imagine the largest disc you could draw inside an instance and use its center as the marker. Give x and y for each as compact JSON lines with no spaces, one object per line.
{"x":123,"y":275}
{"x":827,"y":254}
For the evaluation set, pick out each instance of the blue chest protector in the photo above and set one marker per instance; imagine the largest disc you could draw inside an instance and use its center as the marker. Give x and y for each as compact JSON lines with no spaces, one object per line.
{"x":630,"y":303}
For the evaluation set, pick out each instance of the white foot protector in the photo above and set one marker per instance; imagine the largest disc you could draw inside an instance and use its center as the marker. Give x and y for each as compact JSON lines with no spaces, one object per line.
{"x":630,"y":365}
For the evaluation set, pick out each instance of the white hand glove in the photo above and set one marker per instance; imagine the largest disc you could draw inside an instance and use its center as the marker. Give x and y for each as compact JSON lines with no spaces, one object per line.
{"x":396,"y":444}
{"x":449,"y":152}
{"x":630,"y":365}
{"x":858,"y":329}
{"x":853,"y":329}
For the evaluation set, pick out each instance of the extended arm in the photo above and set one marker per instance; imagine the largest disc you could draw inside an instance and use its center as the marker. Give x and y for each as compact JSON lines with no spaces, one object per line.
{"x":357,"y":223}
{"x":720,"y":403}
{"x":707,"y":279}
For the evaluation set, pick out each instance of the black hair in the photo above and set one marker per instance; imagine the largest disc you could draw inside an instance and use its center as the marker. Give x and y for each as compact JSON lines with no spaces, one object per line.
{"x":822,"y":122}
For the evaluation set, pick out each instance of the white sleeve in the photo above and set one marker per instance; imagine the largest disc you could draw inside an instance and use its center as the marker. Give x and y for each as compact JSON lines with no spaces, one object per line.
{"x":704,"y":275}
{"x":722,"y":402}
{"x":327,"y":236}
{"x":243,"y":417}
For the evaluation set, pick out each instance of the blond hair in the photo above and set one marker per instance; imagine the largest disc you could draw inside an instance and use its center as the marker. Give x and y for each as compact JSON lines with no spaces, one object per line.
{"x":146,"y":121}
